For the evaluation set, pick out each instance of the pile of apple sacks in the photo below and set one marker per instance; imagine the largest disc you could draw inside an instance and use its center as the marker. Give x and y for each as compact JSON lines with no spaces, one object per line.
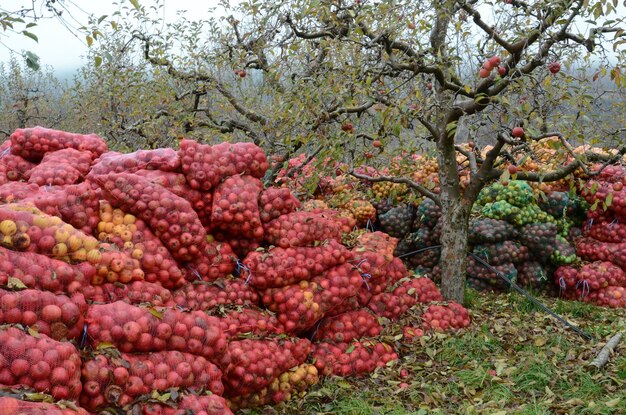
{"x":175,"y":270}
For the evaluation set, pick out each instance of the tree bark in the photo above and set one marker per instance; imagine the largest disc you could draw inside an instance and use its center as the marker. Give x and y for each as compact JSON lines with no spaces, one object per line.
{"x":453,"y":262}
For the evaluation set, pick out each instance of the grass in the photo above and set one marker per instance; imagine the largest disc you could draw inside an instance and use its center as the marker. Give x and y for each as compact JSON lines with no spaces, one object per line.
{"x":514,"y":359}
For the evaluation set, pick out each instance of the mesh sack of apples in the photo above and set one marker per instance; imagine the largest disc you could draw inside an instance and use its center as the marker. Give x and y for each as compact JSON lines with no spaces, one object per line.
{"x":33,"y":143}
{"x":137,"y":292}
{"x":250,"y":365}
{"x":275,"y":202}
{"x":221,"y":292}
{"x":40,"y":363}
{"x":278,"y":267}
{"x":187,"y":404}
{"x":31,"y":270}
{"x":206,"y":166}
{"x":164,"y":159}
{"x":13,"y":167}
{"x":61,"y":168}
{"x":113,"y":378}
{"x":351,"y":359}
{"x":176,"y":183}
{"x":236,"y":207}
{"x":57,"y":316}
{"x":145,"y":329}
{"x":294,"y":382}
{"x":133,"y":236}
{"x":15,"y":406}
{"x":26,"y":228}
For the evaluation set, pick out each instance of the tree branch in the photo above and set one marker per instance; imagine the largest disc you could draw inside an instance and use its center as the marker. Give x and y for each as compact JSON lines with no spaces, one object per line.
{"x":400,"y":180}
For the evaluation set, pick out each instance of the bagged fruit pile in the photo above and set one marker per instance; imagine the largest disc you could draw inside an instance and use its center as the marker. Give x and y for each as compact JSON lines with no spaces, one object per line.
{"x":601,"y":280}
{"x":171,"y":281}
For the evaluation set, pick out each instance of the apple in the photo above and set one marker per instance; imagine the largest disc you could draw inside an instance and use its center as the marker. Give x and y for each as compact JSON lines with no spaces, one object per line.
{"x":517,"y":132}
{"x":502,"y":70}
{"x":495,"y":61}
{"x":242,"y":73}
{"x":554,"y":67}
{"x":484,"y":73}
{"x":488,"y":66}
{"x":512,"y":169}
{"x":411,"y":26}
{"x":377,"y":143}
{"x":348,"y":127}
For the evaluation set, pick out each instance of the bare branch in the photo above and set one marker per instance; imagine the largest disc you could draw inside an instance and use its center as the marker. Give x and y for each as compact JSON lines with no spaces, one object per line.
{"x":400,"y":180}
{"x":486,"y":28}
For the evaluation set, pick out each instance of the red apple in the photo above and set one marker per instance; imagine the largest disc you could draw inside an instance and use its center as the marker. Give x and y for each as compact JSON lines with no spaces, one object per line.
{"x":484,"y":73}
{"x":502,"y":70}
{"x":495,"y":61}
{"x":517,"y":132}
{"x":554,"y":67}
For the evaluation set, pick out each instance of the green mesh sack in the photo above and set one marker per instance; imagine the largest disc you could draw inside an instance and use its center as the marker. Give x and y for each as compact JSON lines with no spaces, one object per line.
{"x":516,"y":192}
{"x":487,"y":285}
{"x":427,"y":214}
{"x":397,"y":221}
{"x":532,"y":274}
{"x":502,"y":252}
{"x":487,"y":230}
{"x":501,"y":210}
{"x":564,"y":253}
{"x":531,"y":214}
{"x":564,"y":225}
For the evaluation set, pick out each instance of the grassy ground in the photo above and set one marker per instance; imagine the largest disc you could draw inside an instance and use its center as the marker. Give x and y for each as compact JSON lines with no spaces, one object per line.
{"x":514,"y":359}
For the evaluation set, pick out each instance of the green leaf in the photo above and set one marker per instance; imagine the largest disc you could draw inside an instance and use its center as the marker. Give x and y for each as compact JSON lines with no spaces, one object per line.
{"x":33,"y":332}
{"x":98,"y":61}
{"x":32,"y":60}
{"x":101,"y":18}
{"x":350,"y":349}
{"x":30,"y":35}
{"x":16,"y":284}
{"x":135,"y":4}
{"x":156,"y":313}
{"x":609,"y":199}
{"x":89,"y":40}
{"x":105,"y":345}
{"x":31,"y":24}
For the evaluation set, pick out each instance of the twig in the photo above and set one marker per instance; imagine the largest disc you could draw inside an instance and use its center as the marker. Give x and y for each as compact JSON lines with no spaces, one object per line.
{"x":603,"y":357}
{"x":400,"y":180}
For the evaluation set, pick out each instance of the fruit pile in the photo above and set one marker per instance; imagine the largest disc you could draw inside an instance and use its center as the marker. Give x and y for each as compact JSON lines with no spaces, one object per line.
{"x":125,"y":277}
{"x":602,"y":280}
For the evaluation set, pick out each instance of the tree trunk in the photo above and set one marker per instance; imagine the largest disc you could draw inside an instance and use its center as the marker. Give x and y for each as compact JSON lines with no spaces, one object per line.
{"x":455,"y":219}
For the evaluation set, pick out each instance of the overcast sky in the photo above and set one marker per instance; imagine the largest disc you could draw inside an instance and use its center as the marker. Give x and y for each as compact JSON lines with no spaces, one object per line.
{"x":63,"y":48}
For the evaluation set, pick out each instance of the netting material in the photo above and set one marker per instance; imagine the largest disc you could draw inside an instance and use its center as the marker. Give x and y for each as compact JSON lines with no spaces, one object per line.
{"x":57,"y":316}
{"x":138,"y":329}
{"x":205,"y":166}
{"x":41,"y":363}
{"x":164,"y":159}
{"x":34,"y":143}
{"x":351,"y":359}
{"x":119,"y":380}
{"x":236,"y":207}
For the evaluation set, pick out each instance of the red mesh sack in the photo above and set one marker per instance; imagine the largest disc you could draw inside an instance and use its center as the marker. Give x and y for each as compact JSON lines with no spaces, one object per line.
{"x":448,"y":317}
{"x":119,"y":380}
{"x":205,"y":166}
{"x":288,"y":385}
{"x":53,"y":174}
{"x":297,"y":306}
{"x":16,"y":191}
{"x":566,"y":277}
{"x":27,"y":228}
{"x":351,"y":359}
{"x":15,"y":167}
{"x":134,"y":237}
{"x":205,"y":296}
{"x":349,"y":326}
{"x":57,"y":316}
{"x":76,"y":204}
{"x":390,"y":305}
{"x":177,"y":184}
{"x":301,"y":229}
{"x":378,"y":273}
{"x":421,"y":290}
{"x":189,"y":404}
{"x":137,"y":292}
{"x":34,"y":143}
{"x":605,"y":231}
{"x":165,"y":159}
{"x":614,"y":297}
{"x":42,"y":273}
{"x":275,"y":202}
{"x":170,"y":217}
{"x":218,"y":261}
{"x":599,"y":274}
{"x":40,"y":363}
{"x":250,"y":321}
{"x":236,"y":207}
{"x":138,"y":329}
{"x":278,"y":267}
{"x":344,"y":218}
{"x":377,"y":242}
{"x":348,"y":304}
{"x":253,"y":364}
{"x":12,"y":406}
